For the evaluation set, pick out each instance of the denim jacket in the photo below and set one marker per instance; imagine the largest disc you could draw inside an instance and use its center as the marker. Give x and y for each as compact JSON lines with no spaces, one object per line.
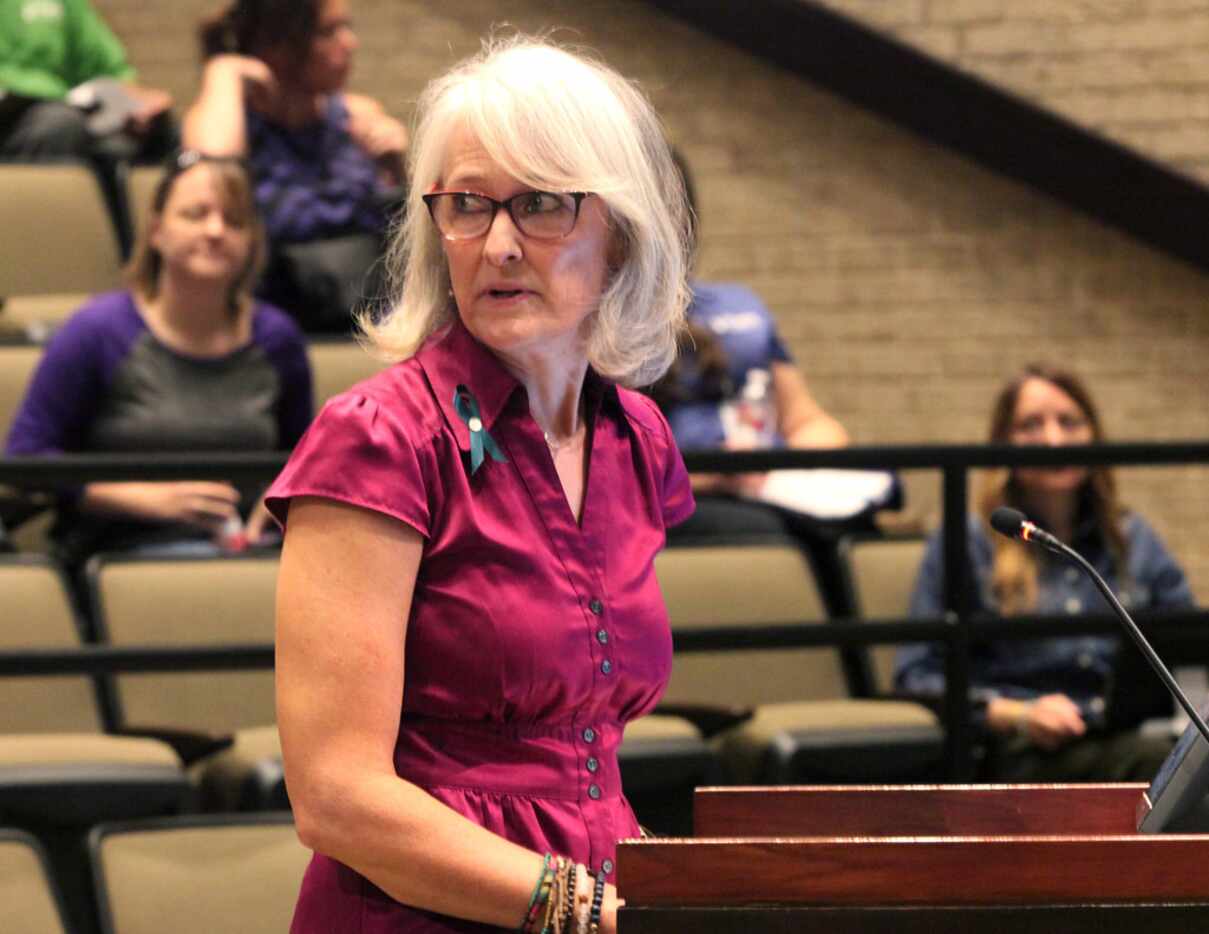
{"x":1079,"y":666}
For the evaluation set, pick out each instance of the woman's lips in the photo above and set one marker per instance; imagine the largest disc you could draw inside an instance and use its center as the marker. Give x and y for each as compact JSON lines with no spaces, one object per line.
{"x":505,"y":296}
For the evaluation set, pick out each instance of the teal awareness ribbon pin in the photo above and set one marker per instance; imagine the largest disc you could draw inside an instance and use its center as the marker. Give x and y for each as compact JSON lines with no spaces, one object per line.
{"x":467,"y":407}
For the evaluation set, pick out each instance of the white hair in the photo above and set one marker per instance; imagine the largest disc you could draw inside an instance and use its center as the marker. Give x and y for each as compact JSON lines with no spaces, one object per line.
{"x":557,"y":121}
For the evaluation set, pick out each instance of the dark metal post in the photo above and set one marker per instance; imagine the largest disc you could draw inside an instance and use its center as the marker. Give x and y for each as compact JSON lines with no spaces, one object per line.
{"x":958,"y":760}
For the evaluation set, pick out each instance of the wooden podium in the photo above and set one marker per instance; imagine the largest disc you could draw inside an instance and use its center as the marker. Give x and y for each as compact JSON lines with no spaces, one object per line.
{"x":1059,"y":859}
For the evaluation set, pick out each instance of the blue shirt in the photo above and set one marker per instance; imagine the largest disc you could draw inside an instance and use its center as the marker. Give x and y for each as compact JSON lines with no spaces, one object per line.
{"x":1078,"y":666}
{"x":748,"y":335}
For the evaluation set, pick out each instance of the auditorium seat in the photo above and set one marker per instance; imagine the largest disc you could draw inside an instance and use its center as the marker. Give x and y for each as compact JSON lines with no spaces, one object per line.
{"x":880,"y":575}
{"x":18,"y":359}
{"x":804,"y":727}
{"x":662,"y":759}
{"x":52,"y":748}
{"x":197,"y":875}
{"x":57,"y":236}
{"x":336,"y":364}
{"x":31,"y":900}
{"x":140,"y":186}
{"x":36,"y":317}
{"x":184,"y":601}
{"x":59,"y":774}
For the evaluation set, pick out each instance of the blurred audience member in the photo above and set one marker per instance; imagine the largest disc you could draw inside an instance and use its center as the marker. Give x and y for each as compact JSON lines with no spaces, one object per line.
{"x":182,"y":361}
{"x":327,"y":165}
{"x":67,"y":90}
{"x":1048,"y":703}
{"x":734,"y":385}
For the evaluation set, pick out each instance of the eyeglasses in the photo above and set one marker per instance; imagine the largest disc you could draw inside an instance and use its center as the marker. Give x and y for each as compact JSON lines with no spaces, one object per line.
{"x":542,"y":215}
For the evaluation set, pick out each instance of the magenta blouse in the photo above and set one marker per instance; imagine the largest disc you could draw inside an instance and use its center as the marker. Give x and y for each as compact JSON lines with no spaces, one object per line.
{"x":532,"y":639}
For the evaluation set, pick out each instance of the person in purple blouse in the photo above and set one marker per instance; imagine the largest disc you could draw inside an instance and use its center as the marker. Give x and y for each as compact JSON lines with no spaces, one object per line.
{"x":184,"y":360}
{"x":327,"y":164}
{"x":468,"y":612}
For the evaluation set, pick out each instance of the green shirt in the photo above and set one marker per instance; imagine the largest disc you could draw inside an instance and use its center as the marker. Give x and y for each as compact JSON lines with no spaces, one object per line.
{"x":47,"y":47}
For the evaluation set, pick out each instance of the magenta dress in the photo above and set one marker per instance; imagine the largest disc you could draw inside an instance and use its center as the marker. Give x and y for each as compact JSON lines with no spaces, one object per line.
{"x":533,"y":639}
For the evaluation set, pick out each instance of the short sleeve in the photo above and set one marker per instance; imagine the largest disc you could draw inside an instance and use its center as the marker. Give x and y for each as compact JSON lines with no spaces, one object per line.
{"x":678,"y":502}
{"x":358,"y":451}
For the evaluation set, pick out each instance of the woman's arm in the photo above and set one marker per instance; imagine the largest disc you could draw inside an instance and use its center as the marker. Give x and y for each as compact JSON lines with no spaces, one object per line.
{"x":343,"y":601}
{"x":379,"y":134}
{"x":801,"y":420}
{"x":215,"y":123}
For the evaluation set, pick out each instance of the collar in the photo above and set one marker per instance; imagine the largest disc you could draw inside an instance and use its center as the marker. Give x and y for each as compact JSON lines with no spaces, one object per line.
{"x":452,"y":358}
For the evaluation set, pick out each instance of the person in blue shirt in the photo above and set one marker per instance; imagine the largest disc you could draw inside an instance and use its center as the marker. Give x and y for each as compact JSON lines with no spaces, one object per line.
{"x":1044,"y":702}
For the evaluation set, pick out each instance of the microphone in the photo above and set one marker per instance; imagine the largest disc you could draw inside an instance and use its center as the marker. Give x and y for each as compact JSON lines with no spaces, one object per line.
{"x":1013,"y":524}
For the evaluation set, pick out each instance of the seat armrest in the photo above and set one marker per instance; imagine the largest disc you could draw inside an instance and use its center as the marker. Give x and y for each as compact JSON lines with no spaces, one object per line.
{"x":190,"y":745}
{"x":708,"y":718}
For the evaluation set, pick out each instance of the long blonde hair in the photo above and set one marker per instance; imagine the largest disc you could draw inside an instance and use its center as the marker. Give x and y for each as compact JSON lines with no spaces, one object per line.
{"x":555,"y":120}
{"x":1014,"y":568}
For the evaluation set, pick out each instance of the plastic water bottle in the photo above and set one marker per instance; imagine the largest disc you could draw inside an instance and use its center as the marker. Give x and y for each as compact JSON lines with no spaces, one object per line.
{"x":750,"y":421}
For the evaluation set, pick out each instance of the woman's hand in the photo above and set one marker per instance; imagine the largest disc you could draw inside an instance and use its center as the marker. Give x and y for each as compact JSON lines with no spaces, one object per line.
{"x":1049,"y":722}
{"x":200,"y":503}
{"x":261,"y":528}
{"x":378,"y":133}
{"x":259,"y":84}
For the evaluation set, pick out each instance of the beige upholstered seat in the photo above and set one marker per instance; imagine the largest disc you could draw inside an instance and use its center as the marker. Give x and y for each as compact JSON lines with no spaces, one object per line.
{"x":172,"y":601}
{"x":36,"y":317}
{"x":57,"y":236}
{"x":140,"y":186}
{"x":30,"y":899}
{"x":806,"y":728}
{"x":18,"y":359}
{"x":198,"y":875}
{"x":56,"y":767}
{"x":882,"y":574}
{"x":745,"y":585}
{"x":336,"y":364}
{"x":35,"y":613}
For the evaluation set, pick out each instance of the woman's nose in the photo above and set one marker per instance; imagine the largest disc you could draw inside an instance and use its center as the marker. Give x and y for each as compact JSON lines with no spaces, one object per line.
{"x":215,"y":224}
{"x":1054,"y":434}
{"x":503,"y":244}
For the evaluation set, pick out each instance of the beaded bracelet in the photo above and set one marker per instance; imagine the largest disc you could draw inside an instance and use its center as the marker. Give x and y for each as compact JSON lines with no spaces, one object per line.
{"x":553,"y":896}
{"x":534,"y":902}
{"x":597,"y":902}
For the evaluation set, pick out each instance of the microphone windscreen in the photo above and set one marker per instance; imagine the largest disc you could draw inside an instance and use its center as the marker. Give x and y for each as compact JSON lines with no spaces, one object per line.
{"x":1007,"y":521}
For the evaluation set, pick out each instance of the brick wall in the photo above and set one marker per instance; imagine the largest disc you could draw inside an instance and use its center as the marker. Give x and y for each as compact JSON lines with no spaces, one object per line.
{"x":1134,"y":70}
{"x":908,"y":282}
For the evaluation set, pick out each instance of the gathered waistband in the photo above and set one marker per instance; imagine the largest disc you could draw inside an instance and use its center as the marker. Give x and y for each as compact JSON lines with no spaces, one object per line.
{"x":563,"y":761}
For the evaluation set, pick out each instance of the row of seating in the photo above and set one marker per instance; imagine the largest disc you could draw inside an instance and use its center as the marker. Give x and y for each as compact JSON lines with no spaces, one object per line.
{"x":195,"y":874}
{"x":77,"y":751}
{"x":175,"y":601}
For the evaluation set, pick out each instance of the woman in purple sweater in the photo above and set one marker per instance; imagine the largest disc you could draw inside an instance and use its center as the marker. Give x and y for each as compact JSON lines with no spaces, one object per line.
{"x":184,"y":360}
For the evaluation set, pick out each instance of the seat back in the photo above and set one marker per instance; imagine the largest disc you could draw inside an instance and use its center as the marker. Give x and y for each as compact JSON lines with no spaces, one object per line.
{"x":745,"y":585}
{"x":32,"y":902}
{"x":140,"y":187}
{"x":336,"y":364}
{"x":881,"y":575}
{"x":166,"y":601}
{"x":36,"y":613}
{"x":57,"y":235}
{"x":197,"y":874}
{"x":18,"y":360}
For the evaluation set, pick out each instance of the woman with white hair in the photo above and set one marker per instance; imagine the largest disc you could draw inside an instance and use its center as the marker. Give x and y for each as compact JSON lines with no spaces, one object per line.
{"x":468,"y":613}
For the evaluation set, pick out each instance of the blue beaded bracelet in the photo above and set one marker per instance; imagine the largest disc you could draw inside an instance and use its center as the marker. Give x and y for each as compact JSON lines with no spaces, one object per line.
{"x":597,"y":902}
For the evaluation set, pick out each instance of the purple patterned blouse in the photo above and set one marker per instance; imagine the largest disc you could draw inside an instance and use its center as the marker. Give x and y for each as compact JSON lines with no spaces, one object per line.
{"x":532,"y":639}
